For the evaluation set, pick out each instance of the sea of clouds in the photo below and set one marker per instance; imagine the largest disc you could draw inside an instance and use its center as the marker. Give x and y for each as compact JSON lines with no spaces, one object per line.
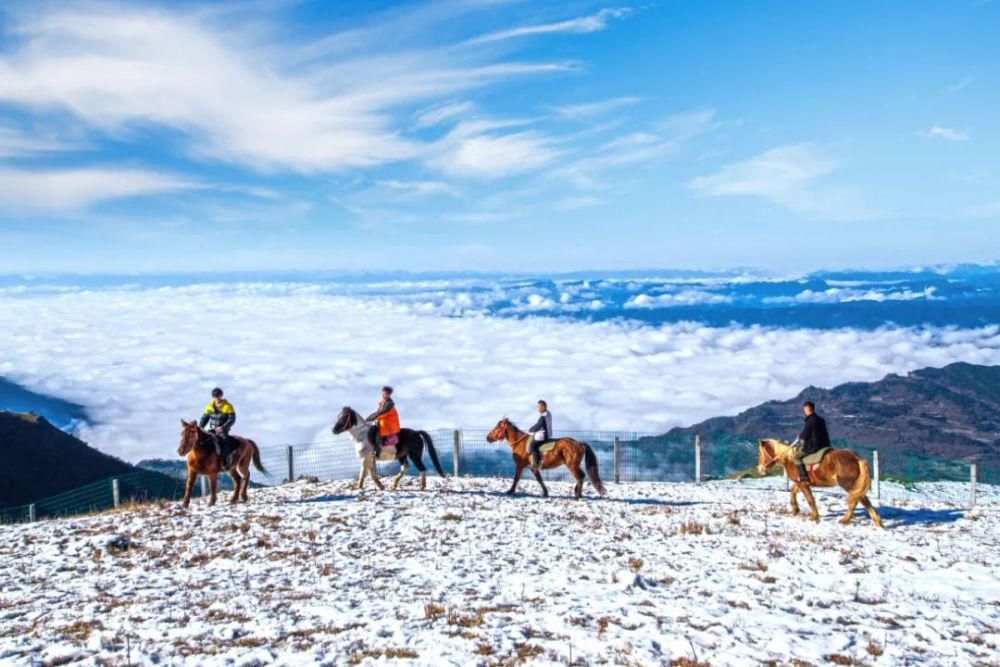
{"x":290,"y":355}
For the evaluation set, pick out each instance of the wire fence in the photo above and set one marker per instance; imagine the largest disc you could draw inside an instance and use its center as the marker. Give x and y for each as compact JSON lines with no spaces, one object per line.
{"x":622,"y":457}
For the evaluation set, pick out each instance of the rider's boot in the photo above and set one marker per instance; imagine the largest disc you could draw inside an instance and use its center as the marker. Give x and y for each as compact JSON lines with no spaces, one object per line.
{"x":536,"y":461}
{"x":378,"y":446}
{"x":803,"y":474}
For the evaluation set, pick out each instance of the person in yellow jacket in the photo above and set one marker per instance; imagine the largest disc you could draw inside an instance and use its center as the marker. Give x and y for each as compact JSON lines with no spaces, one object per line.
{"x":219,"y":416}
{"x":388,"y":421}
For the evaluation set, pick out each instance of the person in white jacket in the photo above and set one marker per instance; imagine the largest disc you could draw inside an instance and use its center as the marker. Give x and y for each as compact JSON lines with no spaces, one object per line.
{"x":541,"y":432}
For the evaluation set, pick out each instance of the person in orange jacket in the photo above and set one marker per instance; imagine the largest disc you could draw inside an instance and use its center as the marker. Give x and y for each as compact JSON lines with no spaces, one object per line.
{"x":388,"y":421}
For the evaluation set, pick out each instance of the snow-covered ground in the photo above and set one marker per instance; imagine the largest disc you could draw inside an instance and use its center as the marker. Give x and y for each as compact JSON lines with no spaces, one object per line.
{"x":653,"y":574}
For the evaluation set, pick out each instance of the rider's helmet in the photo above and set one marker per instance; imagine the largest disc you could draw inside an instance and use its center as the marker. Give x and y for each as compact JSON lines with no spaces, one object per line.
{"x":217,"y":393}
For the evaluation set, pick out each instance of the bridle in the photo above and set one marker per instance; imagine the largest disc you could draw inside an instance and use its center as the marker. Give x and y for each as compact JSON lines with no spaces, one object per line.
{"x":775,"y":458}
{"x":505,"y":431}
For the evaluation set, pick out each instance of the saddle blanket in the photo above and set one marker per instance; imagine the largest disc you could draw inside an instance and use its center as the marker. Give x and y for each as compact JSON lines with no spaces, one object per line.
{"x":816,"y":457}
{"x":546,"y":446}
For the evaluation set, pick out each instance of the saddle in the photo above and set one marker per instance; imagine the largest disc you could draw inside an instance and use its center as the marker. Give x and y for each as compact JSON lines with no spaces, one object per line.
{"x":812,"y":461}
{"x":388,"y":452}
{"x":546,"y":446}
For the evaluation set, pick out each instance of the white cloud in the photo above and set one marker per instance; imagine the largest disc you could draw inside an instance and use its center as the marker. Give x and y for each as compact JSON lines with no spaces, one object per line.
{"x":583,"y":24}
{"x":477,"y":149}
{"x":690,"y":297}
{"x":17,"y":143}
{"x":240,"y":99}
{"x":846,"y":295}
{"x":140,"y":359}
{"x":938,"y":131}
{"x":421,"y":188}
{"x":598,"y":108}
{"x":67,"y":189}
{"x":787,"y":176}
{"x":442,"y":113}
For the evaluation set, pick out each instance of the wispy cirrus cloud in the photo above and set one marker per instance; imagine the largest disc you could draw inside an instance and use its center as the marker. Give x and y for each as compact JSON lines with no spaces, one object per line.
{"x":238,"y":101}
{"x":582,"y":24}
{"x":598,"y":108}
{"x":787,"y":176}
{"x":443,"y":113}
{"x":485,"y":150}
{"x":938,"y":131}
{"x":67,"y":189}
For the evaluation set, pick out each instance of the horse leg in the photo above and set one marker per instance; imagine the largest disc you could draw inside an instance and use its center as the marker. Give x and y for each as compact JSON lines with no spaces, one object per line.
{"x":517,"y":478}
{"x":418,"y":461}
{"x":852,"y":502}
{"x":237,"y":485}
{"x":373,"y":473}
{"x":794,"y":492}
{"x":246,"y":480}
{"x":813,"y":512}
{"x":402,"y":471}
{"x":362,"y":474}
{"x":188,"y":487}
{"x":579,"y":477}
{"x":538,"y":476}
{"x":876,"y":519}
{"x":213,"y":484}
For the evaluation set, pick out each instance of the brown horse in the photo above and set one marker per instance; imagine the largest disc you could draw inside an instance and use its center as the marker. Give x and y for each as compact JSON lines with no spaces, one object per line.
{"x":566,"y":451}
{"x":839,"y":467}
{"x":199,"y":448}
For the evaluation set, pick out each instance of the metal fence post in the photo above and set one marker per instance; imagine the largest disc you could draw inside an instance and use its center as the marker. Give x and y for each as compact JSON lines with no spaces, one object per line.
{"x":618,"y":460}
{"x":115,"y":493}
{"x":32,"y":517}
{"x":291,"y":463}
{"x":456,"y":441}
{"x":876,"y":476}
{"x":204,"y":486}
{"x":972,"y":482}
{"x":697,"y":459}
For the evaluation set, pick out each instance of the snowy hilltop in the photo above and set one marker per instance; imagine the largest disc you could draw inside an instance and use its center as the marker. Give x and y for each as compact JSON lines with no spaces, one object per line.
{"x":653,"y":574}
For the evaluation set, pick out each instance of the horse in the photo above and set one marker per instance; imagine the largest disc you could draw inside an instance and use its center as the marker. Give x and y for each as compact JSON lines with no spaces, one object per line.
{"x":199,"y":448}
{"x":839,"y":467}
{"x":565,"y":451}
{"x":411,"y":444}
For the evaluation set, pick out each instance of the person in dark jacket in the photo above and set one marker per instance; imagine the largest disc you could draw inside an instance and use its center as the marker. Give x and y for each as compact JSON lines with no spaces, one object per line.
{"x":813,"y":438}
{"x":219,"y":416}
{"x":540,"y":432}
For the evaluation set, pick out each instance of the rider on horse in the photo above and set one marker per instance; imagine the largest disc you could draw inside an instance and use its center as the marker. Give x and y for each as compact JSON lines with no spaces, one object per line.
{"x":219,"y":416}
{"x":813,"y":438}
{"x":541,"y":432}
{"x":388,"y":421}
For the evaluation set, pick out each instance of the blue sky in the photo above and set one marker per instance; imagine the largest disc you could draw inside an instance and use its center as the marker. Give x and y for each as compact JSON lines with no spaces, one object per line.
{"x":492,"y":134}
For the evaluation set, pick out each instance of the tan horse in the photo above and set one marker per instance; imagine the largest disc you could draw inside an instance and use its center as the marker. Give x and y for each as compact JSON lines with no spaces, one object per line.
{"x":567,"y":451}
{"x":199,"y":448}
{"x":839,"y":467}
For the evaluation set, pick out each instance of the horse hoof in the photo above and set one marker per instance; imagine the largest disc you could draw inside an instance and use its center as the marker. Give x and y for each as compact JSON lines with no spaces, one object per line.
{"x":814,"y":519}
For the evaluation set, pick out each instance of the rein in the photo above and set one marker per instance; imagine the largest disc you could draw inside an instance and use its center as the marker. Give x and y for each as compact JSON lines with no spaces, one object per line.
{"x":776,"y":458}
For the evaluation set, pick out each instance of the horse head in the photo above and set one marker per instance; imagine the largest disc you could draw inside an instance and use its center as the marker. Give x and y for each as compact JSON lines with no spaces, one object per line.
{"x":190,"y":434}
{"x":346,"y":420}
{"x":500,"y":432}
{"x":767,"y":455}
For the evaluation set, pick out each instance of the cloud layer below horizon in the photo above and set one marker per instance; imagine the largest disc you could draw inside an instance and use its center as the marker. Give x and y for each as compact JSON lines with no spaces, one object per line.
{"x":141,"y":359}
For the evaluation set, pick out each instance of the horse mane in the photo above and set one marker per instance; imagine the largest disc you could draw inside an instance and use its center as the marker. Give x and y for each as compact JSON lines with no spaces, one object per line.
{"x":782,"y":450}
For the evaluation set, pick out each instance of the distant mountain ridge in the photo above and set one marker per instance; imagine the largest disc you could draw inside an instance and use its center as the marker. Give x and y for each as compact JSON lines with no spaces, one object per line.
{"x":40,"y":460}
{"x":951,"y":412}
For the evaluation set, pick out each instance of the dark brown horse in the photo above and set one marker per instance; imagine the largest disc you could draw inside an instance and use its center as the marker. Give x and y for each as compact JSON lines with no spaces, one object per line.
{"x":199,"y":448}
{"x":566,"y":451}
{"x":839,"y":467}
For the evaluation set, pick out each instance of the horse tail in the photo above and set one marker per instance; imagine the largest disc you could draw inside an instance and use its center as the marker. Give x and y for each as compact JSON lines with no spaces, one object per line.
{"x":425,"y":436}
{"x":590,"y":461}
{"x":863,"y":484}
{"x":256,"y":457}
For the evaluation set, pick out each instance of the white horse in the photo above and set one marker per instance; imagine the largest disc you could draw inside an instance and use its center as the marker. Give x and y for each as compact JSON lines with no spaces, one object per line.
{"x":410,"y":445}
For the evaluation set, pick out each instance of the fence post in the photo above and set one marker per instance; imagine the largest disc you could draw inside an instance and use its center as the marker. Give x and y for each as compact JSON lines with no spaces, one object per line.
{"x":31,"y":513}
{"x":876,"y":476}
{"x":115,"y":493}
{"x":618,"y":460}
{"x":972,"y":482}
{"x":204,"y":486}
{"x":697,"y":459}
{"x":291,"y":463}
{"x":456,"y":440}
